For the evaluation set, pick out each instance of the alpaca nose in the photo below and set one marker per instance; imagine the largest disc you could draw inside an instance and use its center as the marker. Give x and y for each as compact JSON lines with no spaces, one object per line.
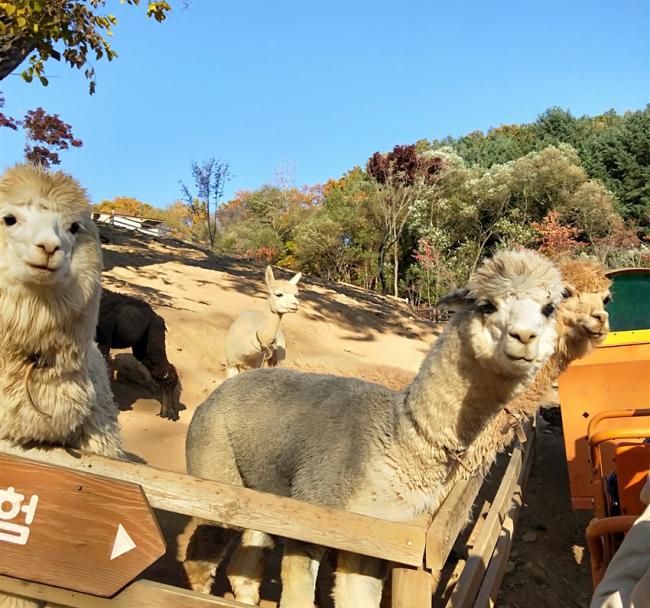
{"x":523,"y":335}
{"x":49,"y":245}
{"x":600,"y":315}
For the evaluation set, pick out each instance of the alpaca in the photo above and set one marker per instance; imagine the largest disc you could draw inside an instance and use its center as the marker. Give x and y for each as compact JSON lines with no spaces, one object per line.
{"x":582,"y":324}
{"x":256,"y":337}
{"x":125,"y":321}
{"x":354,"y":445}
{"x":53,"y":379}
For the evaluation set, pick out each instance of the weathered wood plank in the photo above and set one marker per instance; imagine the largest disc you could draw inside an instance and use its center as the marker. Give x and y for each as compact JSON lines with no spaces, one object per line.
{"x":141,"y":594}
{"x":411,"y":588}
{"x":469,"y":583}
{"x":449,"y":520}
{"x":491,"y":584}
{"x":450,"y":584}
{"x":398,"y":542}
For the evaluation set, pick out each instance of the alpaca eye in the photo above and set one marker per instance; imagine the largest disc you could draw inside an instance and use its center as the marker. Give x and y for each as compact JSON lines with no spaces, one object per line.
{"x":278,"y":294}
{"x":547,"y":311}
{"x":566,"y":295}
{"x":9,"y":220}
{"x":607,"y":300}
{"x":486,"y":308}
{"x":74,"y":227}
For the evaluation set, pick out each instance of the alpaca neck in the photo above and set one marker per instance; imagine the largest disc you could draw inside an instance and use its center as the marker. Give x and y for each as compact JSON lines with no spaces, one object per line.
{"x":268,"y":329}
{"x":455,"y":394}
{"x":49,"y":326}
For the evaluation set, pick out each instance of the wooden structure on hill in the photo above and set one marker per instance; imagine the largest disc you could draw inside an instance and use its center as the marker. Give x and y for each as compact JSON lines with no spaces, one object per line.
{"x":150,"y":226}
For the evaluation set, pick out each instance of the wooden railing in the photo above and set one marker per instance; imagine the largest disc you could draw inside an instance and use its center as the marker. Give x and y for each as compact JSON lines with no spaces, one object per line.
{"x":418,"y":549}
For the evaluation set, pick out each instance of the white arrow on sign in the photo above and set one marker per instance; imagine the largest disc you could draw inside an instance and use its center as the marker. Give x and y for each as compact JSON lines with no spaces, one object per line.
{"x":123,"y":542}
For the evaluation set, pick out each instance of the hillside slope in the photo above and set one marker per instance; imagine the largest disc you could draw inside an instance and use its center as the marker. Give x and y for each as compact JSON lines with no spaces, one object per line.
{"x":339,"y":329}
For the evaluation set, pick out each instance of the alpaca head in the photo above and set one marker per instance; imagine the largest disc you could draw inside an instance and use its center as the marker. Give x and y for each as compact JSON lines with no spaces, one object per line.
{"x":283,"y":295}
{"x":47,"y":237}
{"x":583,"y":322}
{"x":510,"y":308}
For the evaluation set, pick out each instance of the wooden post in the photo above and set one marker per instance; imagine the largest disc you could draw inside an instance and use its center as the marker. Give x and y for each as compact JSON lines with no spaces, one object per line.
{"x":411,"y":588}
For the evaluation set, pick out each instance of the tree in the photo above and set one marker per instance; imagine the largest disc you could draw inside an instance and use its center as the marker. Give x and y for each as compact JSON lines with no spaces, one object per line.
{"x":555,"y":239}
{"x":7,"y":121}
{"x":46,"y":133}
{"x":178,"y":218}
{"x":612,"y":148}
{"x":128,"y":205}
{"x":35,"y":28}
{"x":402,"y":177}
{"x":210,"y":180}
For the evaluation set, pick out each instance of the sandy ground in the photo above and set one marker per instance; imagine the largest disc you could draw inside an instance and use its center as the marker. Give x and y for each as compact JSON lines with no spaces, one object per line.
{"x":339,"y":329}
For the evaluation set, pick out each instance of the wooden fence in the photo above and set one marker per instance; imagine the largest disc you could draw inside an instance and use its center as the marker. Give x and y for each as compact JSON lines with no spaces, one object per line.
{"x":418,"y":549}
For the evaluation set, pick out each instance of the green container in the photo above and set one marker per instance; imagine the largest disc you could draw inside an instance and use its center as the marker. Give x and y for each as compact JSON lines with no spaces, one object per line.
{"x":629,"y":308}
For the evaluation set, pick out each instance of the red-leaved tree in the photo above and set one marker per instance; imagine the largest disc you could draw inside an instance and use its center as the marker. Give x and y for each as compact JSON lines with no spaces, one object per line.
{"x":46,"y":135}
{"x":555,"y":239}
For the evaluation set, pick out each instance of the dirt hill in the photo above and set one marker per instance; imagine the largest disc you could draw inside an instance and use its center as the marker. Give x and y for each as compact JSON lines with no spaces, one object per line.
{"x":338,"y":329}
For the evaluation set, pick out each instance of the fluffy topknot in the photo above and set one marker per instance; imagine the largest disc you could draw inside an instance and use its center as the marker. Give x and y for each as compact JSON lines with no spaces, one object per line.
{"x":516,"y":272}
{"x":585,"y":275}
{"x":31,"y":184}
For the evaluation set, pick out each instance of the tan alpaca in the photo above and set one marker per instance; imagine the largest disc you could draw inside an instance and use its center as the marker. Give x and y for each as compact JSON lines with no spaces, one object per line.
{"x":53,"y":379}
{"x":256,"y":337}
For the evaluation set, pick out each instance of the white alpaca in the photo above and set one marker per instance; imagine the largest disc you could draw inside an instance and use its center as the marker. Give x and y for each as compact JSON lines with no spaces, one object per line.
{"x":256,"y":337}
{"x":358,"y":446}
{"x":53,"y":380}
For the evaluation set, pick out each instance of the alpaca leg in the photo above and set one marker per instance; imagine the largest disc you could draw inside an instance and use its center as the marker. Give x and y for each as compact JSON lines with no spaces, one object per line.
{"x":151,"y":352}
{"x":279,"y":351}
{"x":358,"y":581}
{"x":205,"y":550}
{"x":300,"y":564}
{"x":246,"y":566}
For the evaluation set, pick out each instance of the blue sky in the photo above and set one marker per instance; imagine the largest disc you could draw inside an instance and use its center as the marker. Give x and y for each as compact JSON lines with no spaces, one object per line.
{"x":320,"y":86}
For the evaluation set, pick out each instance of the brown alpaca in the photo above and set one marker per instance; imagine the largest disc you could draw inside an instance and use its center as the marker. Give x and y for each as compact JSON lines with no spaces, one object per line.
{"x":127,"y":322}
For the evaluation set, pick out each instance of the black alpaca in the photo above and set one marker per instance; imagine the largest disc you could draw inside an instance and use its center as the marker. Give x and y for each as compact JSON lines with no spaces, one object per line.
{"x":125,"y":321}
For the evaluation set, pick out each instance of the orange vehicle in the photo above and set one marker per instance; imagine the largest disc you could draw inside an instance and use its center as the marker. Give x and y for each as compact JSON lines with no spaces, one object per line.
{"x":605,"y":404}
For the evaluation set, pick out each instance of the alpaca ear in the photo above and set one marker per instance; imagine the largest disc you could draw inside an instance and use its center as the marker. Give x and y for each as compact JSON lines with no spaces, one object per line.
{"x":295,"y":278}
{"x":268,"y":276}
{"x":459,"y":299}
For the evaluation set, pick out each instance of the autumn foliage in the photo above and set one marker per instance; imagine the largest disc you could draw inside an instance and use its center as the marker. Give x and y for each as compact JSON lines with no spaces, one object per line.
{"x":46,"y":135}
{"x":555,"y":239}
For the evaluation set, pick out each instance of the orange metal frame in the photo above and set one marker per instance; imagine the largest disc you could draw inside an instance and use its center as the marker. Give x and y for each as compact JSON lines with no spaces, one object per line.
{"x":597,"y":438}
{"x":598,"y":533}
